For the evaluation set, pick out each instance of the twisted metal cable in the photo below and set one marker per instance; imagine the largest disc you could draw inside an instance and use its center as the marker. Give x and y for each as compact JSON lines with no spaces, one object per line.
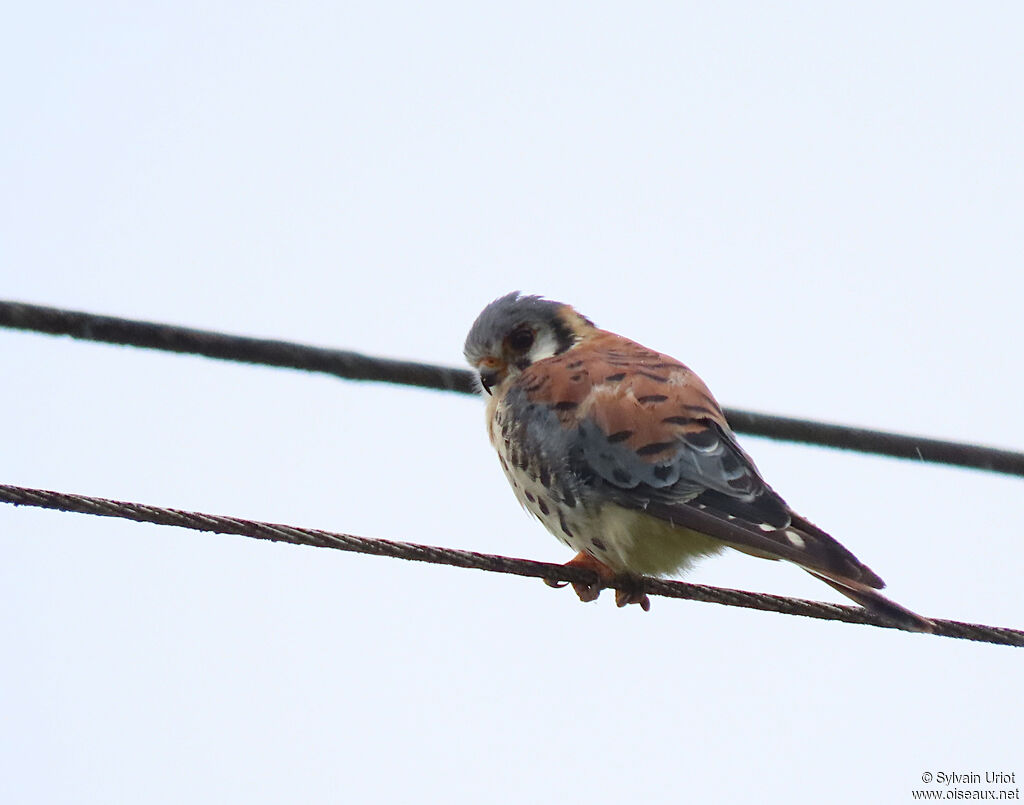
{"x":356,"y":366}
{"x":197,"y":521}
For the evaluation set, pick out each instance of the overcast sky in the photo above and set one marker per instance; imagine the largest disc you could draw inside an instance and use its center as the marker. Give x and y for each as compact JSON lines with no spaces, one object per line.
{"x":816,"y":206}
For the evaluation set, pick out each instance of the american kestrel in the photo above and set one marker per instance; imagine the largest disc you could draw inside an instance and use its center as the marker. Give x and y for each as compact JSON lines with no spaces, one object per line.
{"x":626,"y":457}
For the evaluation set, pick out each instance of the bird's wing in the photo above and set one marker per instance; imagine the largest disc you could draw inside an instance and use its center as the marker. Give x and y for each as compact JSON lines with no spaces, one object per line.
{"x":643,"y":430}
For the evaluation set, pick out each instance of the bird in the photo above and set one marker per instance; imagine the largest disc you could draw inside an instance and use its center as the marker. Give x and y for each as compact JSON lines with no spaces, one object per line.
{"x":625,"y":456}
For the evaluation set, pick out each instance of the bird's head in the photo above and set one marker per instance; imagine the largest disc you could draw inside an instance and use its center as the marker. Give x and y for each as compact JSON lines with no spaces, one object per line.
{"x":515,"y":331}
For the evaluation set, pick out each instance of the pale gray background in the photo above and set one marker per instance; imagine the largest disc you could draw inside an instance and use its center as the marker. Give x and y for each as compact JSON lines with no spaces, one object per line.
{"x":816,"y":206}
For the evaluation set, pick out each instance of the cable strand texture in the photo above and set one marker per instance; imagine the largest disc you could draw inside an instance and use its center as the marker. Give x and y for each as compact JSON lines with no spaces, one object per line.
{"x":356,"y":366}
{"x":197,"y":521}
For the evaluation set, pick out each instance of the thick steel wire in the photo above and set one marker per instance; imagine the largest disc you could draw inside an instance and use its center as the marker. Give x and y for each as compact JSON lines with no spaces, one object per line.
{"x":197,"y":521}
{"x":356,"y":366}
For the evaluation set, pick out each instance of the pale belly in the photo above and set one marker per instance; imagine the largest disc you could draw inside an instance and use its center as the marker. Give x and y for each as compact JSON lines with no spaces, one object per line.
{"x":640,"y":543}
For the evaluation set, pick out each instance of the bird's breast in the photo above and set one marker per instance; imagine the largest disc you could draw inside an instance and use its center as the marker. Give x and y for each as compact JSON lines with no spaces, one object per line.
{"x":543,"y":484}
{"x":627,"y":540}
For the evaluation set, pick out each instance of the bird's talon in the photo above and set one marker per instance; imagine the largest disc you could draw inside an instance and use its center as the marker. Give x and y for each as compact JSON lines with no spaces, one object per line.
{"x":626,"y":597}
{"x":587,"y":592}
{"x":558,"y":585}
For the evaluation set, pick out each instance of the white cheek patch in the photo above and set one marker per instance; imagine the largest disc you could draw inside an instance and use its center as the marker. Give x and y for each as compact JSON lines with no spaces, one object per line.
{"x":544,"y":347}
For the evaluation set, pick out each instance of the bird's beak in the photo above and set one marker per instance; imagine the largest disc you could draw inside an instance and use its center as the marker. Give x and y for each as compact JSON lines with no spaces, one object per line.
{"x":492,"y":371}
{"x":488,"y":377}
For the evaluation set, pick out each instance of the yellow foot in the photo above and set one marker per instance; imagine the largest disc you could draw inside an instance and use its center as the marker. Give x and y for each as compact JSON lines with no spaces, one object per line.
{"x":637,"y":596}
{"x":605,"y":577}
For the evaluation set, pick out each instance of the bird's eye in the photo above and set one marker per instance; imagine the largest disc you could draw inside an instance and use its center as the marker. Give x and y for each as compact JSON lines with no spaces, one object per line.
{"x":521,"y":339}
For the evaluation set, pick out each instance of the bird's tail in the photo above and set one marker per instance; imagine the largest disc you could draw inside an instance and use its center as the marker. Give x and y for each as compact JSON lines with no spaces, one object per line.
{"x":860,"y":584}
{"x":800,"y":542}
{"x":872,"y":600}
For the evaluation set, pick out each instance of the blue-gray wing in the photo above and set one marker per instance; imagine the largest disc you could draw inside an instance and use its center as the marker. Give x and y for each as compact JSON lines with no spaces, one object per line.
{"x":642,"y":431}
